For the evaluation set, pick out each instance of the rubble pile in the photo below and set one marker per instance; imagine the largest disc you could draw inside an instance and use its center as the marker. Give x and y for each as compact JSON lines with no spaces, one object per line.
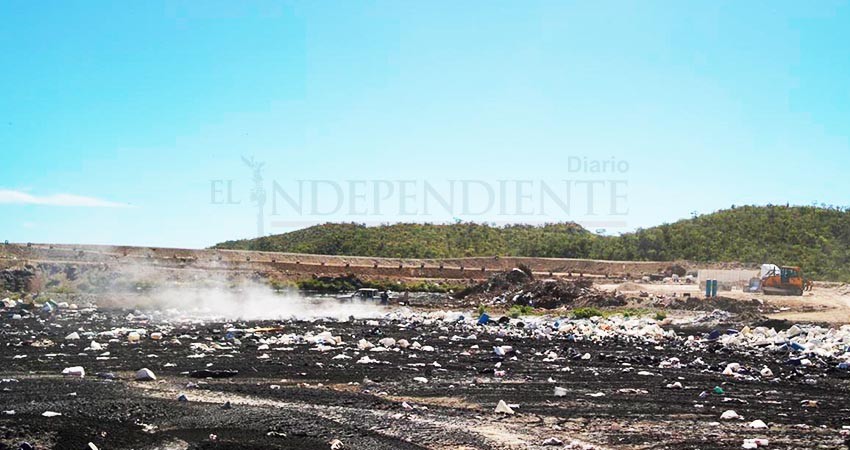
{"x":519,"y":287}
{"x":499,"y":282}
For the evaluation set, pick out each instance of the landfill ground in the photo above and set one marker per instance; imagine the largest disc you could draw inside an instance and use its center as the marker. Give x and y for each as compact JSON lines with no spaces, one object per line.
{"x":440,"y":392}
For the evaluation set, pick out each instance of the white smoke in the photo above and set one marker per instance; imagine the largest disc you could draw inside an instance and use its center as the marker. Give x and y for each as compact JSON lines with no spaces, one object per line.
{"x":210,"y":289}
{"x":254,"y":301}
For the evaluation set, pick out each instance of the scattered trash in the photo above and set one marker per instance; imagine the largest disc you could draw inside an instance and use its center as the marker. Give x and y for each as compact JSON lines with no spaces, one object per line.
{"x":730,"y":415}
{"x":758,"y":424}
{"x":755,"y":443}
{"x":553,"y":441}
{"x":503,"y":408}
{"x":560,"y":392}
{"x":718,"y":390}
{"x":75,"y":371}
{"x":145,"y":375}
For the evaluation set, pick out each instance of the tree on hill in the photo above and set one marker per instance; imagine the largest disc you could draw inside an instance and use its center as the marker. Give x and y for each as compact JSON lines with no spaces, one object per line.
{"x":815,"y":238}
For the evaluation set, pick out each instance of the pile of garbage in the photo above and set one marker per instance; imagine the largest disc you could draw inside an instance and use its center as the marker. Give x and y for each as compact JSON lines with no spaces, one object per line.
{"x":599,"y":329}
{"x":805,"y":344}
{"x":519,"y":287}
{"x":499,"y":282}
{"x":595,"y":329}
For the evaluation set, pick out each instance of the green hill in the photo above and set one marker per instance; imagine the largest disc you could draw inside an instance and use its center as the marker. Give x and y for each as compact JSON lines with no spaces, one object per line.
{"x":816,"y":238}
{"x":408,"y":240}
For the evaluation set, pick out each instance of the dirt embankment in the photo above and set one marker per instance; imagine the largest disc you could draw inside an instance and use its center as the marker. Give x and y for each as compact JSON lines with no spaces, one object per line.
{"x":291,"y":266}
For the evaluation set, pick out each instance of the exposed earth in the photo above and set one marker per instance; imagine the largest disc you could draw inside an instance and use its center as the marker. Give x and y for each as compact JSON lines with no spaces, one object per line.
{"x":313,"y":372}
{"x":295,"y":391}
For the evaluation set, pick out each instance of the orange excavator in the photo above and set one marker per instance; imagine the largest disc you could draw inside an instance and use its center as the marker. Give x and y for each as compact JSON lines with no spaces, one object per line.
{"x":785,"y":280}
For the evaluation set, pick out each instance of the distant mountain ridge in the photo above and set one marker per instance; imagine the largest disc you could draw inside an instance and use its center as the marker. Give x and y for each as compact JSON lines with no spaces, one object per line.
{"x":815,"y":238}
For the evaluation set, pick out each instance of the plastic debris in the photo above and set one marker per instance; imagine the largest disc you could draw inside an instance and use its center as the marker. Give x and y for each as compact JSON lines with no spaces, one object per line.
{"x":560,"y":392}
{"x":758,"y":424}
{"x":503,"y":408}
{"x":145,"y":375}
{"x":730,"y":415}
{"x":75,"y":371}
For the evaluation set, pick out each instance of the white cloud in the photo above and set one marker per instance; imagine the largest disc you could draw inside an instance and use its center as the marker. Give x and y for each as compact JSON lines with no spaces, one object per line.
{"x":23,"y":198}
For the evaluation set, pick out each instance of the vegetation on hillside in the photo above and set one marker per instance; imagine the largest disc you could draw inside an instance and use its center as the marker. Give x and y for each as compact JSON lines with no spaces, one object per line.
{"x":815,"y":238}
{"x":409,"y":240}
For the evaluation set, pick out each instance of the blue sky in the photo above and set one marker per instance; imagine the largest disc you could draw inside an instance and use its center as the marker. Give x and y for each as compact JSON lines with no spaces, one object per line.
{"x":120,"y":123}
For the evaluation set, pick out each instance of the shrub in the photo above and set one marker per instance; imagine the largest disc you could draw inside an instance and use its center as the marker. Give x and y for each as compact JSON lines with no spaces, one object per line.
{"x":519,"y":310}
{"x":586,"y":313}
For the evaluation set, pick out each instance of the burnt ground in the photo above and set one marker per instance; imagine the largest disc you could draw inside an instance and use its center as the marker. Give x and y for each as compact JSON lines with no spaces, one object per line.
{"x":302,"y":398}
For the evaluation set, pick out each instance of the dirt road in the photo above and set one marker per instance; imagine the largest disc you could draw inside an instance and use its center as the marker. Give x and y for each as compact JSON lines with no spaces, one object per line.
{"x":827,"y":302}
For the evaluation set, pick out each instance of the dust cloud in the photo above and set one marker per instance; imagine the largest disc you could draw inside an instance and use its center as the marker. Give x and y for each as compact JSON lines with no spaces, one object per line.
{"x":214,"y":292}
{"x":254,"y":301}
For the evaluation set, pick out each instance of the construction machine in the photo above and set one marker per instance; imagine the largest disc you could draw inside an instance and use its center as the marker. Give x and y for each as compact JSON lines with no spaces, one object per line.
{"x":785,"y":280}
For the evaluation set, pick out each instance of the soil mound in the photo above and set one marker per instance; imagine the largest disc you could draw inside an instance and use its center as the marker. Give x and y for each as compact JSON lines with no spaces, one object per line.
{"x":518,"y":287}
